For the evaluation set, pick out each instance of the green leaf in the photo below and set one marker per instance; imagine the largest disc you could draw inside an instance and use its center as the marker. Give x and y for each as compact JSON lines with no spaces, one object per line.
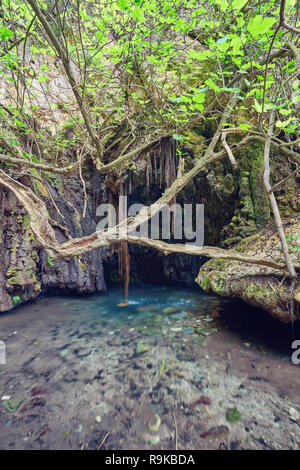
{"x":260,"y":25}
{"x":233,"y":90}
{"x":223,"y":4}
{"x":200,"y":55}
{"x":123,"y":4}
{"x":199,"y":98}
{"x":178,"y":137}
{"x":285,"y":112}
{"x":283,"y":124}
{"x":182,"y":99}
{"x":236,"y":45}
{"x":233,"y":415}
{"x":245,"y":126}
{"x":257,"y":106}
{"x":212,"y":85}
{"x":240,"y":21}
{"x":18,"y":123}
{"x":5,"y":33}
{"x":294,"y":100}
{"x":138,"y":14}
{"x":238,"y":4}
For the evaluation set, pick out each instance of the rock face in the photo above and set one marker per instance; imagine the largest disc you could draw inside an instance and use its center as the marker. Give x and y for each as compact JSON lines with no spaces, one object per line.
{"x":25,"y":270}
{"x":262,"y":287}
{"x":252,"y":231}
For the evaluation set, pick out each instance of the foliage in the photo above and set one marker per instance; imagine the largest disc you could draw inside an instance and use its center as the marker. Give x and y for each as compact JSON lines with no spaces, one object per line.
{"x":16,"y":299}
{"x":50,"y":261}
{"x":169,"y":63}
{"x":135,"y":72}
{"x":293,"y":242}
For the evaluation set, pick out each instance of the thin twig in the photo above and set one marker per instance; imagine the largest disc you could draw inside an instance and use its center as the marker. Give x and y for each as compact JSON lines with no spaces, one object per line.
{"x":228,"y":150}
{"x":280,"y":183}
{"x":176,"y":431}
{"x":103,"y":440}
{"x":274,"y":205}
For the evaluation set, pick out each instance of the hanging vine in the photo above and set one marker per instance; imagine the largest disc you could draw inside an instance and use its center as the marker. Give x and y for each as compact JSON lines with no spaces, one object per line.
{"x":123,"y":252}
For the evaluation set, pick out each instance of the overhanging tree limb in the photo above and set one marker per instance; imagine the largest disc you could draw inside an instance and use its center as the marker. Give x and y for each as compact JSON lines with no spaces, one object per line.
{"x":39,"y":220}
{"x":73,"y":168}
{"x":64,"y":171}
{"x":44,"y":233}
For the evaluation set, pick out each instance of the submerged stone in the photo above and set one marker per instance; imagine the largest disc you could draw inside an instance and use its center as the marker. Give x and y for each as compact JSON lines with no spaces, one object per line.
{"x":198,"y":377}
{"x":79,"y":429}
{"x":178,"y":316}
{"x":205,"y":331}
{"x":200,"y":341}
{"x":141,"y":348}
{"x":149,"y":331}
{"x":148,"y":308}
{"x":184,"y":357}
{"x":188,"y":331}
{"x":169,"y":310}
{"x":154,"y":423}
{"x":154,"y":440}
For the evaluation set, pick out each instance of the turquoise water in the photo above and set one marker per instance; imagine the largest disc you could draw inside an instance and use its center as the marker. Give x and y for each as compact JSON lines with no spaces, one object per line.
{"x":144,"y":303}
{"x":81,"y":370}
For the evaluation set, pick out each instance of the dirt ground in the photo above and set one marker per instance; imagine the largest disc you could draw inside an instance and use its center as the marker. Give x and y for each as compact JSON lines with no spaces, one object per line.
{"x":95,"y":385}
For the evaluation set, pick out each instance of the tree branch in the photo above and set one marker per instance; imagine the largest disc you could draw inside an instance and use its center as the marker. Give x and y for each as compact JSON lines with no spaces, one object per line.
{"x":207,"y":251}
{"x":280,"y":183}
{"x":283,"y":22}
{"x":296,"y":55}
{"x":66,"y":63}
{"x":39,"y":222}
{"x":273,"y":201}
{"x":65,"y":171}
{"x":228,"y":150}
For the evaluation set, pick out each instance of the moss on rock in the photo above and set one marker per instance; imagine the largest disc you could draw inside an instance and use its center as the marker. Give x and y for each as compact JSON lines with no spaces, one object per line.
{"x":259,"y":286}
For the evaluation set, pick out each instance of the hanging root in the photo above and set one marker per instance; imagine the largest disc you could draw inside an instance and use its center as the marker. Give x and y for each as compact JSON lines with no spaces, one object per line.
{"x":123,"y":253}
{"x":124,"y":265}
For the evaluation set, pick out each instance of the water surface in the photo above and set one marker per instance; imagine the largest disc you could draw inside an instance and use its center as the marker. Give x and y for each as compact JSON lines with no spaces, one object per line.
{"x":82,"y":372}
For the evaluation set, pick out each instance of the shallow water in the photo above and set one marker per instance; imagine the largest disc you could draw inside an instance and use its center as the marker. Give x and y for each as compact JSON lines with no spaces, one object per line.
{"x":91,"y":374}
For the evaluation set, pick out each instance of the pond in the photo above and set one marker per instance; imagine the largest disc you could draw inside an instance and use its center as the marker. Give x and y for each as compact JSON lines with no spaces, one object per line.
{"x":176,"y":368}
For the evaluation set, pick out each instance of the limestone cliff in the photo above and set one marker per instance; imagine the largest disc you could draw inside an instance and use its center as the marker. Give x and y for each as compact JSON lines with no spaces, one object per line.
{"x":26,"y":271}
